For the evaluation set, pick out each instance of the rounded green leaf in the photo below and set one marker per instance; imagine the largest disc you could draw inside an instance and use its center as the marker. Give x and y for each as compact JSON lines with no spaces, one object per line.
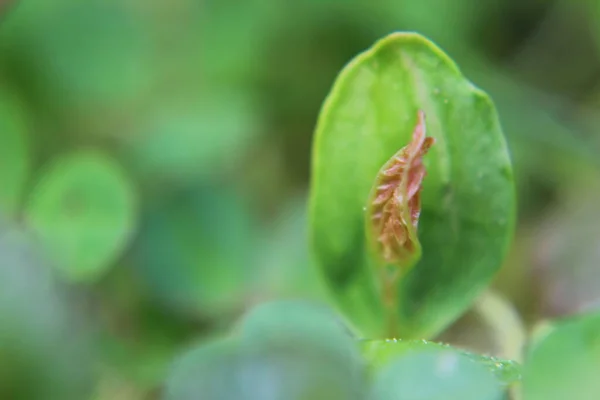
{"x":565,"y":362}
{"x":14,"y":154}
{"x":306,"y":327}
{"x":435,"y":374}
{"x":380,"y":353}
{"x":285,"y":350}
{"x":83,"y":210}
{"x":468,"y":199}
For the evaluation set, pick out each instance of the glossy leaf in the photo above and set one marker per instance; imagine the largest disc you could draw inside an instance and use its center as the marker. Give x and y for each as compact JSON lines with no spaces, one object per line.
{"x":434,"y":374}
{"x":380,"y":353}
{"x":468,"y":198}
{"x":565,"y":362}
{"x":84,"y":210}
{"x":14,"y":154}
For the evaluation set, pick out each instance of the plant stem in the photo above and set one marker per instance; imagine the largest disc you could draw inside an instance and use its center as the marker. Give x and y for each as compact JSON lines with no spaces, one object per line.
{"x":389,"y":284}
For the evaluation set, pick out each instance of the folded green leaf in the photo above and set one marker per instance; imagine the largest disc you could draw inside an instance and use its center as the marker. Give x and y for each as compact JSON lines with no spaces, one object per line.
{"x":467,"y":199}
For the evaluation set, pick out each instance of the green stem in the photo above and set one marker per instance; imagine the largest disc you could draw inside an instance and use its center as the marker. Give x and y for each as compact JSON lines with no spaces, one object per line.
{"x":389,"y":279}
{"x":389,"y":284}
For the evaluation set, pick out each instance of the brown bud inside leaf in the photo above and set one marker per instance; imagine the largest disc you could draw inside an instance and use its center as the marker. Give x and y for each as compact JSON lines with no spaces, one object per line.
{"x":394,"y":205}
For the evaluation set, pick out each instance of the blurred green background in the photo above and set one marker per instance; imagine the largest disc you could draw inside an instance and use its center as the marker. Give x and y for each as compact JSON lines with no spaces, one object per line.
{"x":154,"y":166}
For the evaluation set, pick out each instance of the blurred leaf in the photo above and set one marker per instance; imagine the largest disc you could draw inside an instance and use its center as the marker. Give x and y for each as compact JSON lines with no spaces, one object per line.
{"x":187,"y":141}
{"x":380,"y":353}
{"x":241,"y":29}
{"x":196,"y":251}
{"x":307,"y":327}
{"x":205,"y":372}
{"x":565,"y":363}
{"x":432,"y":374}
{"x":451,"y":24}
{"x":468,"y":196}
{"x":81,"y":54}
{"x":272,"y":360}
{"x":14,"y":154}
{"x":84,"y":210}
{"x":288,"y":268}
{"x":45,"y":352}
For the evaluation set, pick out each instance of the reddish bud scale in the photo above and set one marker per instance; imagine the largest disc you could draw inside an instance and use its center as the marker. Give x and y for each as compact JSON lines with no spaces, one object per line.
{"x":395,"y":203}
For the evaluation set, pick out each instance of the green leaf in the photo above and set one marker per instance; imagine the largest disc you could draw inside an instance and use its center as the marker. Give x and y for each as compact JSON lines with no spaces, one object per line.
{"x":434,"y":374}
{"x":565,"y":363}
{"x":190,"y":141}
{"x":113,"y":67}
{"x":228,"y":371}
{"x":84,"y":211}
{"x":468,"y":199}
{"x":303,"y":325}
{"x":285,"y":350}
{"x":14,"y":154}
{"x":184,"y":251}
{"x":380,"y":353}
{"x":288,"y":269}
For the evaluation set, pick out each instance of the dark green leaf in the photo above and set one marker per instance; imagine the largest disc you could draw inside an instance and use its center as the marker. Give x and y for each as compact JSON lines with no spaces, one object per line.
{"x":84,"y":211}
{"x":468,"y":197}
{"x":565,"y":362}
{"x":195,"y":251}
